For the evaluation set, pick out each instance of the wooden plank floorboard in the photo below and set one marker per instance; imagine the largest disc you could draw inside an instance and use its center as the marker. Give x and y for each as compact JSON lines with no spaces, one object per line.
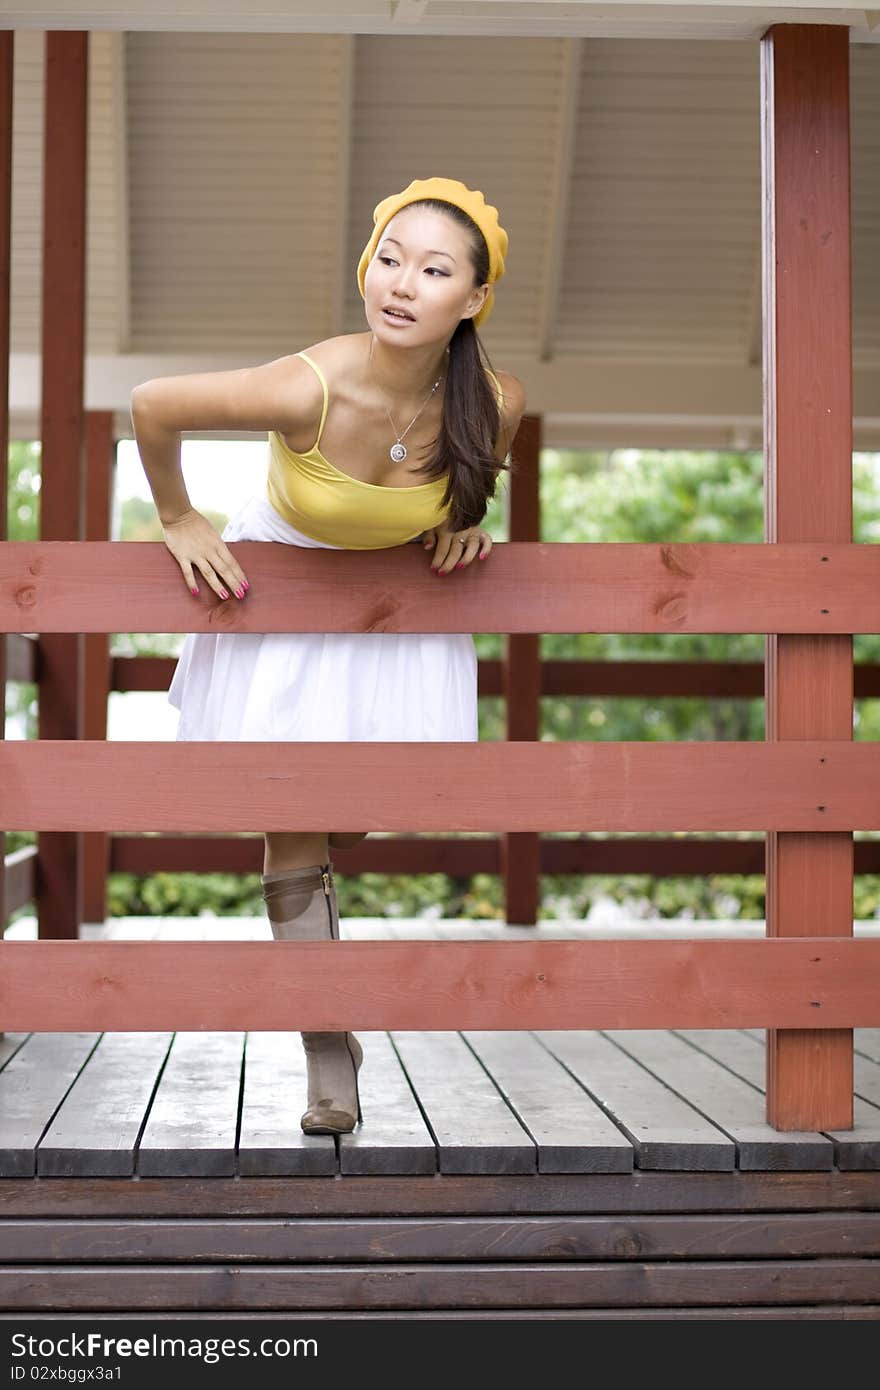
{"x":572,"y":1133}
{"x":867,"y":1042}
{"x":728,"y":1100}
{"x":191,"y":1127}
{"x":744,"y":1053}
{"x":9,"y":1045}
{"x":474,"y":1129}
{"x":666,"y":1132}
{"x":837,"y":1312}
{"x":33,"y":1083}
{"x":271,"y":1141}
{"x":95,"y":1132}
{"x":621,"y":1194}
{"x":479,"y":1102}
{"x":414,"y":1286}
{"x":791,"y":1235}
{"x":393,"y":1137}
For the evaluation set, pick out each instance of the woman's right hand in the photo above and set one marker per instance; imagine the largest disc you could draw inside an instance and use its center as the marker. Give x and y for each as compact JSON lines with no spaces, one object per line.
{"x":194,"y":541}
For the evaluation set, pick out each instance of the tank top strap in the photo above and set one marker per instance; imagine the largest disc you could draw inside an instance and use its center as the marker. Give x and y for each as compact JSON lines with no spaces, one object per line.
{"x":323,"y":380}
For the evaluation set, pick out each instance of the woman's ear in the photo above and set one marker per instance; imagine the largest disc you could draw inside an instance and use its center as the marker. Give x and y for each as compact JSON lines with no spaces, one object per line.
{"x":476,"y":302}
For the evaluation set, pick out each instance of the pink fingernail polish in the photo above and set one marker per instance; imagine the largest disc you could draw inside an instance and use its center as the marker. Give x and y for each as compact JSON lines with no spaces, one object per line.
{"x":460,"y":565}
{"x":223,"y":593}
{"x":194,"y":591}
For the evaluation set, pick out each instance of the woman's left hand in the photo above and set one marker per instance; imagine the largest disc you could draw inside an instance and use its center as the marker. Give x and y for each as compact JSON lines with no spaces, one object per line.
{"x":455,"y":549}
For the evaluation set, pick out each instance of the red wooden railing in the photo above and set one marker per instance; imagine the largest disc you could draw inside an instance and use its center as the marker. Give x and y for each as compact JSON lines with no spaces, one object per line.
{"x":816,"y":787}
{"x":808,"y":786}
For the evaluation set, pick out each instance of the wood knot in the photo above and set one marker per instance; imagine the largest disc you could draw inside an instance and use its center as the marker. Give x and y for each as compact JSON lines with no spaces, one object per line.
{"x":672,"y":563}
{"x":625,"y":1244}
{"x":26,"y":596}
{"x":672,"y":608}
{"x":376,"y":620}
{"x":222,"y":615}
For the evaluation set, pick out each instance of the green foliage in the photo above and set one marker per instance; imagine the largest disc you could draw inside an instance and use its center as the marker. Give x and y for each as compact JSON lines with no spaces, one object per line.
{"x":622,"y":496}
{"x":184,"y":895}
{"x":23,"y":525}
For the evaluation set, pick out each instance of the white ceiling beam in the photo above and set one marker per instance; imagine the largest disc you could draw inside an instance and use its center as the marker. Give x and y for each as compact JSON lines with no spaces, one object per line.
{"x":408,"y":11}
{"x":655,"y":397}
{"x":559,"y":193}
{"x":575,"y":432}
{"x":689,"y":19}
{"x":339,"y":247}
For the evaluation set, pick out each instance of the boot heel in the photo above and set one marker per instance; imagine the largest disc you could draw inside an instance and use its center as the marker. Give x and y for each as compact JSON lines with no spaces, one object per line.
{"x":350,"y":1040}
{"x":333,"y":1061}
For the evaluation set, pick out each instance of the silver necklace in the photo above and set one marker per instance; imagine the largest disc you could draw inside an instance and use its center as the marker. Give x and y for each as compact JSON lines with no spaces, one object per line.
{"x":398,"y":450}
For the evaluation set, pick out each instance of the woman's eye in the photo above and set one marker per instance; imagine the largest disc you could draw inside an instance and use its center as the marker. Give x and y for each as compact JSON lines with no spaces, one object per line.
{"x":431,"y":270}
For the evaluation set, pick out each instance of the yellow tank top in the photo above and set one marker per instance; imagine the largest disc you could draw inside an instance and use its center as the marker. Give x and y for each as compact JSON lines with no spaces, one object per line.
{"x":330,"y":506}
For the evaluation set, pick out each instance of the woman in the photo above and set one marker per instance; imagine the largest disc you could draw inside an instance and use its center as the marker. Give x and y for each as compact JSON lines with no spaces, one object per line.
{"x":418,"y":430}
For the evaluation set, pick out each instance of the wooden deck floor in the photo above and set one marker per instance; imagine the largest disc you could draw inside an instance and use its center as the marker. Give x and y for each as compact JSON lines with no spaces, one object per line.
{"x":228,"y":1104}
{"x":496,"y":1175}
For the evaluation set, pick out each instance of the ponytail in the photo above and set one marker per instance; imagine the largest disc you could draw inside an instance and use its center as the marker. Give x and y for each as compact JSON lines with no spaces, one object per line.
{"x":465,"y":446}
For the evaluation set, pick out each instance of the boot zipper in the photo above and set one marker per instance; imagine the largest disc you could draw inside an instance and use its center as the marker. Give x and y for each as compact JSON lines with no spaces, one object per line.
{"x":325,"y":876}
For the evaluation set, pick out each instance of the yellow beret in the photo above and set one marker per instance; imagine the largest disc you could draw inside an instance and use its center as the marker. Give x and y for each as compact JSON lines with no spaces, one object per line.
{"x":470,"y":200}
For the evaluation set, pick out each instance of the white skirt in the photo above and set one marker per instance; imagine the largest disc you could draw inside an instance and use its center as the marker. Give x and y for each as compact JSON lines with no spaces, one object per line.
{"x":315,"y":686}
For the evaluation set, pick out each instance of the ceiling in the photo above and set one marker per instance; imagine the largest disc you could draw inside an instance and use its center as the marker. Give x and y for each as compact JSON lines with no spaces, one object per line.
{"x":232,"y":177}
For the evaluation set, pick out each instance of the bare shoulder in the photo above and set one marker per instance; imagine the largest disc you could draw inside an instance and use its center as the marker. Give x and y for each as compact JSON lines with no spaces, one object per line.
{"x":337,"y":355}
{"x":513,"y":407}
{"x":514,"y":394}
{"x":285,"y":394}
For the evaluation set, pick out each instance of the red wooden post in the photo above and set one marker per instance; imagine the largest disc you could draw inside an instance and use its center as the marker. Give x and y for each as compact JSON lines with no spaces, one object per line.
{"x":63,"y":337}
{"x":808,"y":434}
{"x":99,"y":453}
{"x":6,"y":85}
{"x":521,"y":851}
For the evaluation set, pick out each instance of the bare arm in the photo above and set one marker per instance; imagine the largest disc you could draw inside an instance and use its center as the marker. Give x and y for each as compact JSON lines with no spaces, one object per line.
{"x":282,"y":395}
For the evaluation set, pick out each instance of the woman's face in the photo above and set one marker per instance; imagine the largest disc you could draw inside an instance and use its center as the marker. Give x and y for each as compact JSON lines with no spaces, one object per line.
{"x":423,"y":268}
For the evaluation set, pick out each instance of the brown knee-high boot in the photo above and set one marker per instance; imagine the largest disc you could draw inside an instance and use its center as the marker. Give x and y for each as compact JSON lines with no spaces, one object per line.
{"x":301,"y":906}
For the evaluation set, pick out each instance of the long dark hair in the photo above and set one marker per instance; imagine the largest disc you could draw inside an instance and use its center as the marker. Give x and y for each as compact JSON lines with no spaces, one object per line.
{"x":465,"y":446}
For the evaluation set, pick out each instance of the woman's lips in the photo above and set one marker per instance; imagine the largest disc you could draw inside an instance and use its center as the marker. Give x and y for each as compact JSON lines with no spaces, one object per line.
{"x":395,"y":318}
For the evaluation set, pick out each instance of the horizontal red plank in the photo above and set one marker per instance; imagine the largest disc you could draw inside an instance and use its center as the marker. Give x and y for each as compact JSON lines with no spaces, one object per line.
{"x":91,"y":785}
{"x":124,"y":986}
{"x":706,"y":679}
{"x":419,"y":854}
{"x":111,"y":586}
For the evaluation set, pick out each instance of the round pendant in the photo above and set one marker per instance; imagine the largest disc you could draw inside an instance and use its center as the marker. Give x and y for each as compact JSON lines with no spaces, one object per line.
{"x":398,"y":452}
